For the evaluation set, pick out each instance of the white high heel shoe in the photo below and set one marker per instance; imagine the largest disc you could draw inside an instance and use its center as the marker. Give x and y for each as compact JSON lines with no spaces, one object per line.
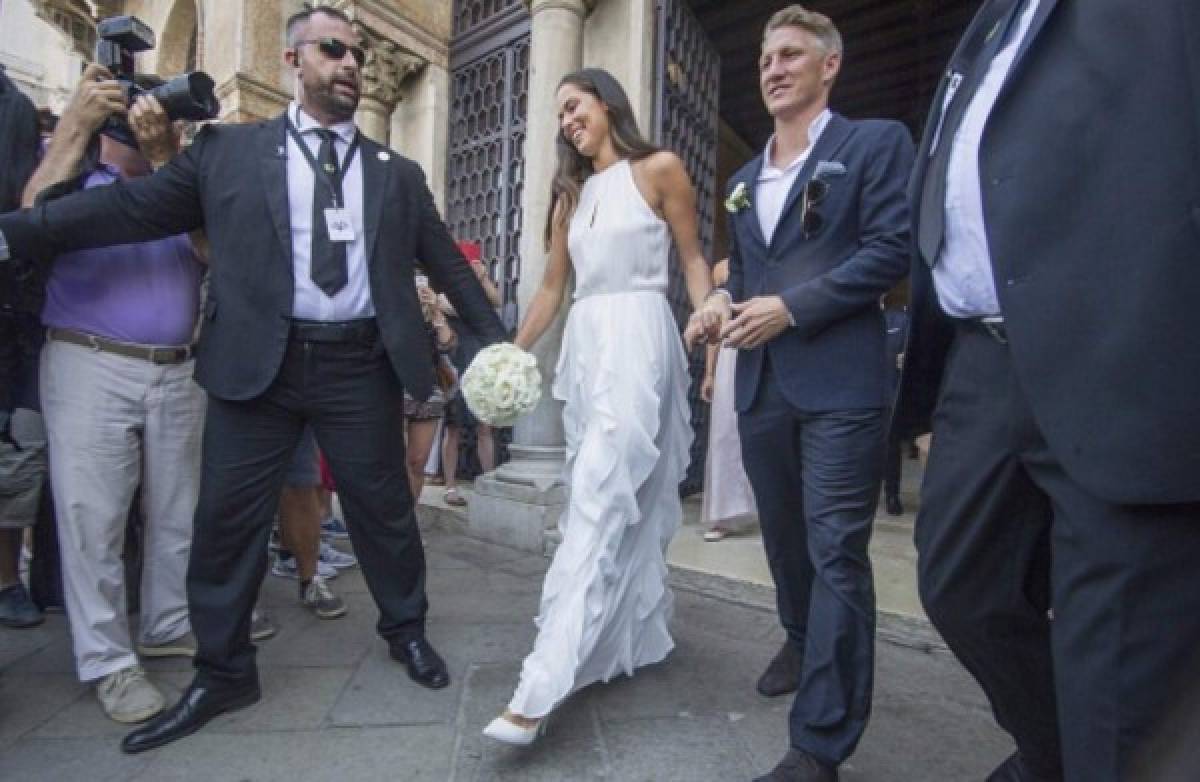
{"x":507,"y":732}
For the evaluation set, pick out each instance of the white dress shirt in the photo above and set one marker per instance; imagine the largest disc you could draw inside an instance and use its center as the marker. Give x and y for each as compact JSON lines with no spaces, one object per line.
{"x":963,"y":272}
{"x":774,"y":184}
{"x":310,"y":302}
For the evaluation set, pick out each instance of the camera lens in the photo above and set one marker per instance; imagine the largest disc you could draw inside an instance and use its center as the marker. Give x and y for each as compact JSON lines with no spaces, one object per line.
{"x":189,"y":96}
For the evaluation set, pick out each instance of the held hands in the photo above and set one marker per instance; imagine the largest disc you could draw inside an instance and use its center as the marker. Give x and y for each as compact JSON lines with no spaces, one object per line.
{"x":705,"y":323}
{"x":756,"y":322}
{"x":97,"y":98}
{"x":157,"y":137}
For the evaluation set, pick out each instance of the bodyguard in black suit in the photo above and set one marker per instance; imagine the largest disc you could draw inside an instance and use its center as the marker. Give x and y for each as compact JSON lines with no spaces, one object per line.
{"x":312,"y":317}
{"x":1057,"y":209}
{"x":818,"y":232}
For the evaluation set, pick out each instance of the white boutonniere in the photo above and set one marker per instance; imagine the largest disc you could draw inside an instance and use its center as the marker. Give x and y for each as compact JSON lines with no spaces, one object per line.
{"x":738,"y":200}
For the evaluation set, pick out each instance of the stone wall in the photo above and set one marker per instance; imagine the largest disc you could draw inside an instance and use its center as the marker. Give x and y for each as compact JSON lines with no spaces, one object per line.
{"x":240,"y":44}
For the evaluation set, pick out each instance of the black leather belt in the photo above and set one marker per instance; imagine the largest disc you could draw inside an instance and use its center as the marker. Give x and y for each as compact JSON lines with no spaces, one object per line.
{"x":992,"y":326}
{"x":363,"y":330}
{"x":153,"y":354}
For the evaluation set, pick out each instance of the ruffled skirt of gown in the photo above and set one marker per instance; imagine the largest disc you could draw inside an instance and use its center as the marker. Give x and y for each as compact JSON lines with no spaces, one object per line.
{"x":605,"y":604}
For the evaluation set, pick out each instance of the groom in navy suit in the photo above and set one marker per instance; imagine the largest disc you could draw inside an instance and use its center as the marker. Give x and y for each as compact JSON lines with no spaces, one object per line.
{"x":818,"y":233}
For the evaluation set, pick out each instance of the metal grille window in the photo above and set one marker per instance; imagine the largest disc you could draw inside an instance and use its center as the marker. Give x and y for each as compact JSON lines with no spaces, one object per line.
{"x":485,"y":165}
{"x":688,"y":71}
{"x":472,"y":14}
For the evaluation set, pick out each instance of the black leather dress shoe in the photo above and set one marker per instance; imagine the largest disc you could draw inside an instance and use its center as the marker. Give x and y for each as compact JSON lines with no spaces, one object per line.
{"x":799,"y":766}
{"x":197,"y":706}
{"x":783,"y":673}
{"x":1015,"y":769}
{"x":893,"y":505}
{"x":425,"y":666}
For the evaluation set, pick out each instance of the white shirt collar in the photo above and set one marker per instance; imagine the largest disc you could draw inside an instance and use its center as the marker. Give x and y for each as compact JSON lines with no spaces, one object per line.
{"x":305,"y":123}
{"x":815,"y":129}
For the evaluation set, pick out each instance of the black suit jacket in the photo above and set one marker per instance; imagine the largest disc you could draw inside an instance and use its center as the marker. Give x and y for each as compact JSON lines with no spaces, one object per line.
{"x":232,"y":182}
{"x":1090,"y":164}
{"x":834,"y":358}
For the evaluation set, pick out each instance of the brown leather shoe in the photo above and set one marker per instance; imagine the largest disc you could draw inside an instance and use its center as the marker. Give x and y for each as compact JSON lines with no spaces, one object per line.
{"x":783,"y":673}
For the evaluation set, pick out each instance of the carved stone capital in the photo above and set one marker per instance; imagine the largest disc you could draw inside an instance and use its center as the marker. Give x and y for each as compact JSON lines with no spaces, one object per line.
{"x":388,"y":66}
{"x":76,"y":19}
{"x":581,"y":7}
{"x":73,"y":18}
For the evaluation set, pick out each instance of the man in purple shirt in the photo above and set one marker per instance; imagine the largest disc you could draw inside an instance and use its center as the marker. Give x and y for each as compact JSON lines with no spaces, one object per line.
{"x":120,"y":407}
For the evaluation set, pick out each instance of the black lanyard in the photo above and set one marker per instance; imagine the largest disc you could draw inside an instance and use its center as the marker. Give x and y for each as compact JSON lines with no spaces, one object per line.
{"x":335,"y":185}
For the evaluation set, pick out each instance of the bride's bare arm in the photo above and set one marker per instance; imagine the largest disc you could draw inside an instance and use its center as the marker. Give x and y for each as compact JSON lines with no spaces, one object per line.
{"x":677,"y":200}
{"x":548,"y":298}
{"x":678,"y":204}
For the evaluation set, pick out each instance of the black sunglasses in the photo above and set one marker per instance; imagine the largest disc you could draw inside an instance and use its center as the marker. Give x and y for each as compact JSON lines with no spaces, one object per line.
{"x":336,"y":50}
{"x":814,"y":193}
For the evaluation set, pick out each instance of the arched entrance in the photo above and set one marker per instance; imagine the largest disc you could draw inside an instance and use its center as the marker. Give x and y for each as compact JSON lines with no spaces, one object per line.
{"x":178,"y":41}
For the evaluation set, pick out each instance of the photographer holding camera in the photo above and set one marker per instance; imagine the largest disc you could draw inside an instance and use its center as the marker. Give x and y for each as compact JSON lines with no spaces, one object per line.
{"x":120,"y":406}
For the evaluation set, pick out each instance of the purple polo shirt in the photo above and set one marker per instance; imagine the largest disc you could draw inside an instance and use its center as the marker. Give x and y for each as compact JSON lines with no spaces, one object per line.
{"x":146,"y":293}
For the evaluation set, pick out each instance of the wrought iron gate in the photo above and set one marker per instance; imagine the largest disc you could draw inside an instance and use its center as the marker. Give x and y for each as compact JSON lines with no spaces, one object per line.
{"x":489,"y":65}
{"x":688,"y":74}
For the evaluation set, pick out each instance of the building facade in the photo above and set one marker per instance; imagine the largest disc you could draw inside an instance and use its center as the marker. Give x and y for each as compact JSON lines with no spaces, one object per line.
{"x":466,"y":88}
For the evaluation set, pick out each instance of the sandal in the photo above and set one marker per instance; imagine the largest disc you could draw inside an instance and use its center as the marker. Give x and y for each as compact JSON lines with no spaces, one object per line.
{"x":452,"y":497}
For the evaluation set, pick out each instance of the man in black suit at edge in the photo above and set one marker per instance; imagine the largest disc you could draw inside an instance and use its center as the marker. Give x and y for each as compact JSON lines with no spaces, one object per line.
{"x":1057,"y":215}
{"x":312,"y":317}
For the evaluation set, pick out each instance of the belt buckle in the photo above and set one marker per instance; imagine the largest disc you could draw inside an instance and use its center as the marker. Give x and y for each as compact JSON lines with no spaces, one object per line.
{"x":166,"y":356}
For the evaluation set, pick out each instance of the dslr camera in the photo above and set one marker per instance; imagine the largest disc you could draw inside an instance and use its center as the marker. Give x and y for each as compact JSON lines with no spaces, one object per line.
{"x":189,"y":96}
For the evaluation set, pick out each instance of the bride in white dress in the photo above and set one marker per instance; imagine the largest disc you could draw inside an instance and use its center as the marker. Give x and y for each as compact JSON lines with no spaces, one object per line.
{"x":617,"y":203}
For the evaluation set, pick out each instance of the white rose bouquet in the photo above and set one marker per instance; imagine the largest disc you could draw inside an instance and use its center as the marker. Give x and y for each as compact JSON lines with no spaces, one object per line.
{"x":502,"y":384}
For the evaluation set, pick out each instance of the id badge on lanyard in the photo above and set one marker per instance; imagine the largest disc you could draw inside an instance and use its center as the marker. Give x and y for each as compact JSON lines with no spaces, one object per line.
{"x":339,"y":226}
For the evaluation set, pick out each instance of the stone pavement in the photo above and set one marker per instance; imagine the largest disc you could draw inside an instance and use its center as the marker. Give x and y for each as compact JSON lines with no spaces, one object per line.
{"x":335,"y":707}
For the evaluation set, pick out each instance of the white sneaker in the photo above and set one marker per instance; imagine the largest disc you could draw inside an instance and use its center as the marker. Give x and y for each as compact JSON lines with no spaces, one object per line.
{"x":320,"y":599}
{"x":286,"y":567}
{"x":261,"y":626}
{"x":183,"y":646}
{"x":335,"y":557}
{"x":334,"y":528}
{"x":128,"y":696}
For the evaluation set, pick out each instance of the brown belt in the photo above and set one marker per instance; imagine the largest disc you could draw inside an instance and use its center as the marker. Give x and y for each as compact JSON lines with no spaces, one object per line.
{"x":155,"y":355}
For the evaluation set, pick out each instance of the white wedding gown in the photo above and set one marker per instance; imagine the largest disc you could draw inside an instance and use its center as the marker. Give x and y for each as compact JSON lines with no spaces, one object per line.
{"x":624,"y":377}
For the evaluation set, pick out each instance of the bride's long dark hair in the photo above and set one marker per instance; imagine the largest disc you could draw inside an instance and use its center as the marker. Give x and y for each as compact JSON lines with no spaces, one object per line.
{"x":573,"y":167}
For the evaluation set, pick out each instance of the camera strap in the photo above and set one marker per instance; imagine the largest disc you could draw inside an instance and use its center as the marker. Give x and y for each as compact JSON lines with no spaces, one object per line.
{"x":332,"y":179}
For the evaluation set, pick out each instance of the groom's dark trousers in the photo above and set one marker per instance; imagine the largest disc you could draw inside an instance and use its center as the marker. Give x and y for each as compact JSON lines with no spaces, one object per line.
{"x":812,"y":407}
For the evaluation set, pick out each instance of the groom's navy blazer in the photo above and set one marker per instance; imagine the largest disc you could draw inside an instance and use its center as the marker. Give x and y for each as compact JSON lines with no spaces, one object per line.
{"x":831,"y":279}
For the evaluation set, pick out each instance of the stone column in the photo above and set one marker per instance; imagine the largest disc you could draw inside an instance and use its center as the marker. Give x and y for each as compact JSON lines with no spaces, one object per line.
{"x":519,"y":504}
{"x":388,"y":65}
{"x":419,"y":127}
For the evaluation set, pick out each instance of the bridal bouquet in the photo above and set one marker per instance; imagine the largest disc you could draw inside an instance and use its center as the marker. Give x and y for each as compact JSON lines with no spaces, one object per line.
{"x":502,"y":384}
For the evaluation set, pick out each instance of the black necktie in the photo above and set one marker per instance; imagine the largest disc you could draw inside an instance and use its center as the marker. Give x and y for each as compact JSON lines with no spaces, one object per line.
{"x":328,"y":257}
{"x":931,"y":229}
